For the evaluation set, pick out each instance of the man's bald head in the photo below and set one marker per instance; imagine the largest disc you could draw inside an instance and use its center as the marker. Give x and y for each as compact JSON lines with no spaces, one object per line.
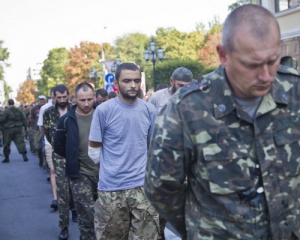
{"x":258,"y":20}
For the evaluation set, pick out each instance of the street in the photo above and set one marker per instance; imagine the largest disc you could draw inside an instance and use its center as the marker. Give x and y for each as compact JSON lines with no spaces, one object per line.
{"x":25,"y":198}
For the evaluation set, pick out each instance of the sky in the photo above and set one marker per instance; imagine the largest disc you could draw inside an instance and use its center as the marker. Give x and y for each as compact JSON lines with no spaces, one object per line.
{"x":31,"y":28}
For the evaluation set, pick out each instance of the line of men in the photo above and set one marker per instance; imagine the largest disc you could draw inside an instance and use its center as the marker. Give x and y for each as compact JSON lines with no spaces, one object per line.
{"x":223,"y":161}
{"x":74,"y":169}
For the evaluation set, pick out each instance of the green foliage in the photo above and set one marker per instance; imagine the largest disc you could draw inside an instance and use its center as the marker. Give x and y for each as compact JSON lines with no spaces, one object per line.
{"x":53,"y":71}
{"x":165,"y":69}
{"x":179,"y":45}
{"x":238,"y":3}
{"x":4,"y":55}
{"x":130,"y":48}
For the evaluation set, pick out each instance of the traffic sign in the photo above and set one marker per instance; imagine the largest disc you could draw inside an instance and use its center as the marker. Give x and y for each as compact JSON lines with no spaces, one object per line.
{"x":109,"y":78}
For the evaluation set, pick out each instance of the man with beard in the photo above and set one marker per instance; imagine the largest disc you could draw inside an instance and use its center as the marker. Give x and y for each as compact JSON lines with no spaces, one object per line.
{"x":64,"y":196}
{"x":119,"y":136}
{"x":71,"y":142}
{"x":180,"y":77}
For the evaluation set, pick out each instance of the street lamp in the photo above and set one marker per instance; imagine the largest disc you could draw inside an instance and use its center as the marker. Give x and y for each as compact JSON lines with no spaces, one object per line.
{"x":151,"y":55}
{"x":93,"y":74}
{"x":116,"y":64}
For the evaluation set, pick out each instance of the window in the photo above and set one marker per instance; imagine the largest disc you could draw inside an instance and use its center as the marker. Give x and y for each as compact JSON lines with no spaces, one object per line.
{"x":281,"y":5}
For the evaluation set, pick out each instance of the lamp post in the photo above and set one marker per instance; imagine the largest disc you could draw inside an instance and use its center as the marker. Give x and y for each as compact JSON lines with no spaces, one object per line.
{"x":93,"y":74}
{"x":116,"y":64}
{"x":151,"y":55}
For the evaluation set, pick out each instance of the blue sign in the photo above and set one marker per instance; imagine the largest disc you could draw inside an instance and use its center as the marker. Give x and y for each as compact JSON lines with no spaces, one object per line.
{"x":109,"y":78}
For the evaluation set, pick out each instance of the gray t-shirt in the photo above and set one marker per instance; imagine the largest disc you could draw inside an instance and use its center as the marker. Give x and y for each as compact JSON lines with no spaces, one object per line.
{"x":160,"y":98}
{"x":87,"y":166}
{"x":124,"y":131}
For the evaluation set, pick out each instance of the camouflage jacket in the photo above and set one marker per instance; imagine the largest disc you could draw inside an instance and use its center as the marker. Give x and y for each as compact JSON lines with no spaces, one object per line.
{"x":13,"y":117}
{"x":243,"y":175}
{"x":50,"y":120}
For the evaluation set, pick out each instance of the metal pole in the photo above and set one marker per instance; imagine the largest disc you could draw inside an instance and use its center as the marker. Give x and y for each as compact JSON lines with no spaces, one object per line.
{"x":154,"y":75}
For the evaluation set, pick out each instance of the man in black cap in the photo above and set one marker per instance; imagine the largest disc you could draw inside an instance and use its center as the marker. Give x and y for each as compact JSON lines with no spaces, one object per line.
{"x":180,"y":77}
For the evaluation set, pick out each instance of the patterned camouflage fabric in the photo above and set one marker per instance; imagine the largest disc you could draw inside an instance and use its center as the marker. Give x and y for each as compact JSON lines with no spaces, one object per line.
{"x":115,"y":224}
{"x":50,"y":120}
{"x":243,"y":175}
{"x":12,"y":120}
{"x":64,"y":195}
{"x":84,"y":190}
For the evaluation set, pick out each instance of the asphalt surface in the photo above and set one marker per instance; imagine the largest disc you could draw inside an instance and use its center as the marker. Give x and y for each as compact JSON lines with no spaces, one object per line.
{"x":25,"y":198}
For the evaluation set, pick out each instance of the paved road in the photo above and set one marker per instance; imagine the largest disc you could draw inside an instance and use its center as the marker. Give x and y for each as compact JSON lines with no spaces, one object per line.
{"x":25,"y":198}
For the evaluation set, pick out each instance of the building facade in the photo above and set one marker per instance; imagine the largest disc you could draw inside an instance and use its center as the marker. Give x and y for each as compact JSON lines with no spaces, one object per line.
{"x":287,"y":13}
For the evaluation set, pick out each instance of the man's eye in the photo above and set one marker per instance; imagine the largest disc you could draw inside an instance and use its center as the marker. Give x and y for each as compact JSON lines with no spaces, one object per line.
{"x":137,"y":80}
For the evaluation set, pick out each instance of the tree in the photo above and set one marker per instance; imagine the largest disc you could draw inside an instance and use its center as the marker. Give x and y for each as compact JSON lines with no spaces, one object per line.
{"x":130,"y":48}
{"x":207,"y":53}
{"x":238,"y":3}
{"x":81,"y":61}
{"x":27,"y":92}
{"x":4,"y":55}
{"x":179,"y":45}
{"x":53,"y":71}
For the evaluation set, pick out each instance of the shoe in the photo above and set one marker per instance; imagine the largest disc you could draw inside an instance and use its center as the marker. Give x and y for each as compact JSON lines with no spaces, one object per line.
{"x":54,"y":205}
{"x":6,"y":160}
{"x":48,"y":179}
{"x":74,"y":216}
{"x":25,"y":157}
{"x":64,"y":234}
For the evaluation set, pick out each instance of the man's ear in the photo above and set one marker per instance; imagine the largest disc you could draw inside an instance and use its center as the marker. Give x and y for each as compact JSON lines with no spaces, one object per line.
{"x":222,"y":54}
{"x":171,"y":81}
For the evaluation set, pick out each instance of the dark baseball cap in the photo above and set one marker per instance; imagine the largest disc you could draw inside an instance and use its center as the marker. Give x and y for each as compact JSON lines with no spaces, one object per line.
{"x":182,"y":74}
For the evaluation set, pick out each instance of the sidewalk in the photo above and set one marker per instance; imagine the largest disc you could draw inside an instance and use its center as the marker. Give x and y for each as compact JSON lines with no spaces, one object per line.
{"x":25,"y":198}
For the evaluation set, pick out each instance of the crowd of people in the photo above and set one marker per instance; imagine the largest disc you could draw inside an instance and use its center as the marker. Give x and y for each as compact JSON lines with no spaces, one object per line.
{"x":217,"y":157}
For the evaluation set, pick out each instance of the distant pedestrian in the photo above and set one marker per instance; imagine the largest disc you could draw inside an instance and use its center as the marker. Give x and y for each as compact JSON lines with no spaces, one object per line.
{"x":13,"y":121}
{"x":120,"y":131}
{"x":48,"y":148}
{"x":180,"y":77}
{"x":71,"y":142}
{"x":64,"y":195}
{"x":101,"y":96}
{"x":112,"y":94}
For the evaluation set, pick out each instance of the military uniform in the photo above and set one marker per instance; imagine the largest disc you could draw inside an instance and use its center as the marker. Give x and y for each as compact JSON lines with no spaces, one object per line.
{"x":64,"y":196}
{"x":13,"y":120}
{"x":243,"y":173}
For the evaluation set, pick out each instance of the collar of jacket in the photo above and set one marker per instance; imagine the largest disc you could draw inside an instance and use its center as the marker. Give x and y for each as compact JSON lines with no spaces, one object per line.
{"x":224,"y":102}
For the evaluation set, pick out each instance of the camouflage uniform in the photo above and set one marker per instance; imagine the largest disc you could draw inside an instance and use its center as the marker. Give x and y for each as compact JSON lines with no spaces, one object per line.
{"x":64,"y":196}
{"x":243,"y":174}
{"x":111,"y":213}
{"x":13,"y":120}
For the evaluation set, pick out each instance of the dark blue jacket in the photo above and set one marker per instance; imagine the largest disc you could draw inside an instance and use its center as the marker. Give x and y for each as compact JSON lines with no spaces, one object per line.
{"x":66,"y":142}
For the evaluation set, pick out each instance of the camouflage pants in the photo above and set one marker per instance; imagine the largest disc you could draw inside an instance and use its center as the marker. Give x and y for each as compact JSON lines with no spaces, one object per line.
{"x":30,"y":135}
{"x":84,"y":190}
{"x":13,"y":134}
{"x":64,"y":196}
{"x":123,"y":214}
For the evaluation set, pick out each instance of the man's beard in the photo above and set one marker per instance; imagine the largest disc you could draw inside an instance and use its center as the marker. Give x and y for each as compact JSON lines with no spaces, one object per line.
{"x":125,"y":95}
{"x":173,"y":89}
{"x":62,"y":105}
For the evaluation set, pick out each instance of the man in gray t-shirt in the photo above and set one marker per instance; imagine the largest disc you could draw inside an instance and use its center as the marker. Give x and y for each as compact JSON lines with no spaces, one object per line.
{"x":120,"y":131}
{"x":180,"y":77}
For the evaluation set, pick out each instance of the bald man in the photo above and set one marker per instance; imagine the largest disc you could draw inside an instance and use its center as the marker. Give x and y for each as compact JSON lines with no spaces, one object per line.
{"x":235,"y":136}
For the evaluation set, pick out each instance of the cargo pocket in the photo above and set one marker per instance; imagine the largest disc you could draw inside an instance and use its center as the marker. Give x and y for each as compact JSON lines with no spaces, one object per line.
{"x":288,"y":147}
{"x":228,"y":168}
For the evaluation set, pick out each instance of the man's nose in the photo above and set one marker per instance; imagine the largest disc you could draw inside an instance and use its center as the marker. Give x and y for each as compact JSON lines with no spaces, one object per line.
{"x":264,"y":74}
